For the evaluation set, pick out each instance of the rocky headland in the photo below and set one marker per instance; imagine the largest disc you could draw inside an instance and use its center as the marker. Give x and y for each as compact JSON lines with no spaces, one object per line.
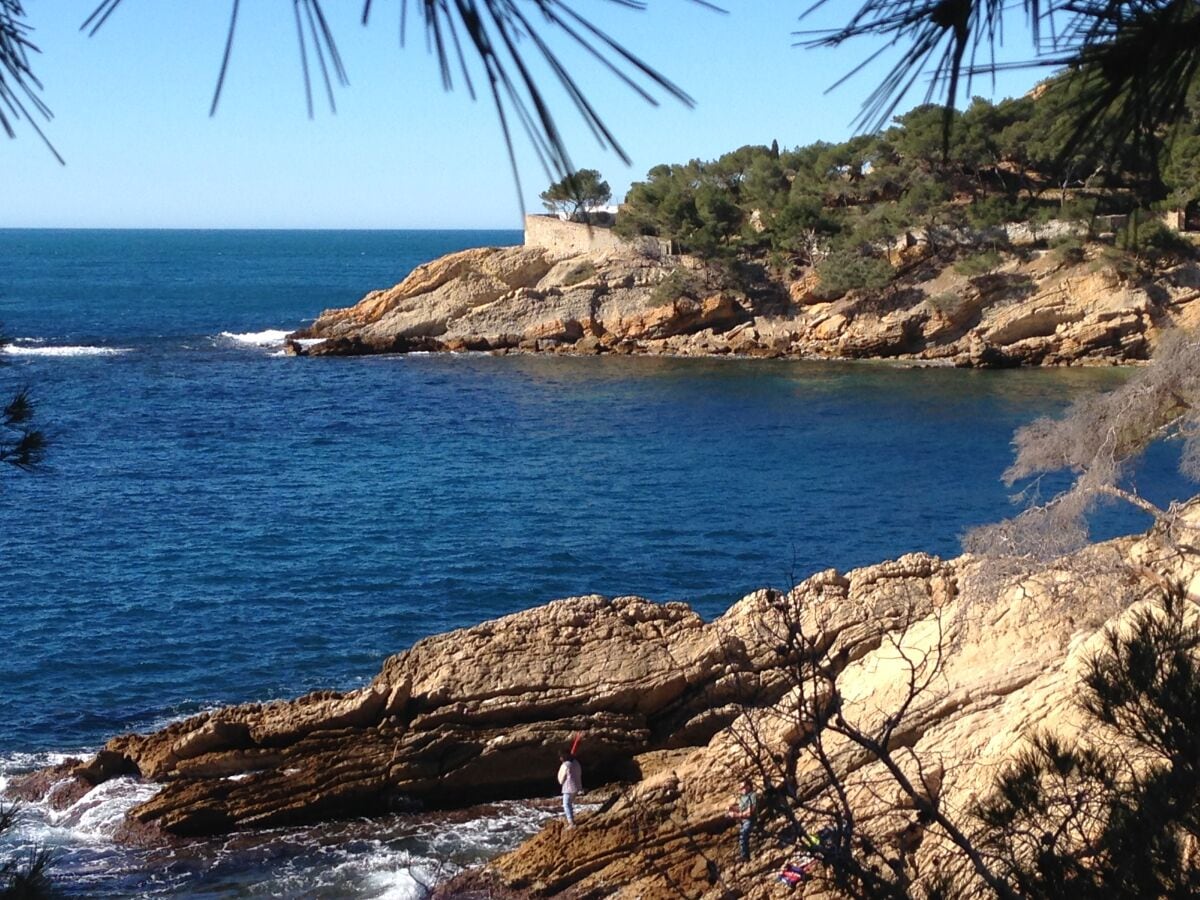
{"x":674,"y":711}
{"x":580,"y":295}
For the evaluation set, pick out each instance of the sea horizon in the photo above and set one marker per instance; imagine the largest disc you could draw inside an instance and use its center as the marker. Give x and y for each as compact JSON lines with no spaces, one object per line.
{"x":255,"y":228}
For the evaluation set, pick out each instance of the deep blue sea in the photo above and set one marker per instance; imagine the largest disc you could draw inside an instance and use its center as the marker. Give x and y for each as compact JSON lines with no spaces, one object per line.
{"x":220,"y":523}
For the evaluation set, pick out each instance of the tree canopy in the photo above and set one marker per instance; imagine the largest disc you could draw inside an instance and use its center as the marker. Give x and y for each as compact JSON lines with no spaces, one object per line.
{"x":577,"y":195}
{"x":985,"y":165}
{"x":1136,"y":59}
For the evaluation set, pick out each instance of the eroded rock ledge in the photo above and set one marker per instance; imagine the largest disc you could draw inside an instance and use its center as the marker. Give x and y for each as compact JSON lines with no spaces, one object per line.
{"x":1030,"y":310}
{"x":481,"y":713}
{"x":666,"y":702}
{"x":460,"y":718}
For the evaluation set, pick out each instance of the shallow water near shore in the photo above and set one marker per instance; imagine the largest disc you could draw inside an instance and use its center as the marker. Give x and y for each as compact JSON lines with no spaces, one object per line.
{"x":219,"y":523}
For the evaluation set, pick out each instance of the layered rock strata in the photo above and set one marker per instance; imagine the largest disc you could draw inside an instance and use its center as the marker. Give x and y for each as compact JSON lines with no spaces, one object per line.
{"x":460,"y":718}
{"x":1005,"y":666}
{"x":1030,"y":310}
{"x":675,"y":707}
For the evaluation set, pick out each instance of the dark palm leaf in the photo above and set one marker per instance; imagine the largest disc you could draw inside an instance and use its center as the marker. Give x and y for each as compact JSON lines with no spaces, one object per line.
{"x":509,"y":39}
{"x":19,"y":100}
{"x":942,"y":41}
{"x":1136,"y":59}
{"x":23,"y":447}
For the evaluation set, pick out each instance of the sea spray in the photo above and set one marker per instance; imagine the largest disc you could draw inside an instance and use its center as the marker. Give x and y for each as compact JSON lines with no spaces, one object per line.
{"x":43,"y":349}
{"x":397,"y":857}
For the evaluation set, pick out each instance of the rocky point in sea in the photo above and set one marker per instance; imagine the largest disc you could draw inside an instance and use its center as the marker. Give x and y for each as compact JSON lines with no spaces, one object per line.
{"x":675,"y":711}
{"x":583,"y":296}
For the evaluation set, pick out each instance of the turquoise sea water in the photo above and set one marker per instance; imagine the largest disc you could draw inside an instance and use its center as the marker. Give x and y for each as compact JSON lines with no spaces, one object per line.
{"x":219,"y":523}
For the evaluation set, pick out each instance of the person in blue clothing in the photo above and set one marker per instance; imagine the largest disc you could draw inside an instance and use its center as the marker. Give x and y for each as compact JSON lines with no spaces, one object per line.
{"x":746,"y":812}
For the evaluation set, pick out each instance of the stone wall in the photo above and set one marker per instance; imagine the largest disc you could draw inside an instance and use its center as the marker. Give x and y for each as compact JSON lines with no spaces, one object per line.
{"x":569,"y":238}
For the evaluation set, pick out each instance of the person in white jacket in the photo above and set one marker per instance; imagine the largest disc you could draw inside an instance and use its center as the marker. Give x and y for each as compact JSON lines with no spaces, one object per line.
{"x":570,"y":776}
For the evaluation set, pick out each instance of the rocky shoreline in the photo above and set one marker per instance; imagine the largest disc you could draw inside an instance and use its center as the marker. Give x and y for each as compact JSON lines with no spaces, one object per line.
{"x":1032,"y":308}
{"x":664,"y":701}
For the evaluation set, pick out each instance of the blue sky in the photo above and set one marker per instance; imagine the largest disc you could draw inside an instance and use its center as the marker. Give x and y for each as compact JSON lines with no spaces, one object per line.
{"x":131,"y":115}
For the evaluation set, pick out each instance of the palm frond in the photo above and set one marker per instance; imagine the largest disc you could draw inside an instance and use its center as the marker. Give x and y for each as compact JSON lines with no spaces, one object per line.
{"x":1136,"y":58}
{"x":19,"y":87}
{"x":944,"y":42}
{"x":510,"y":40}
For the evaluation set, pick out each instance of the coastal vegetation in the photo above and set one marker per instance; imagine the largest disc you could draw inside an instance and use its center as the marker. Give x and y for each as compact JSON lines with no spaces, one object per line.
{"x":841,"y":207}
{"x":23,"y":878}
{"x":1106,"y":813}
{"x":1103,"y":805}
{"x":576,"y":196}
{"x":21,"y":445}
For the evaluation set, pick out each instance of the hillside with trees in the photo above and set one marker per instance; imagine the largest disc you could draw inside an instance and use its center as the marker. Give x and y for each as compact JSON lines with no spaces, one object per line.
{"x":834,"y":205}
{"x":999,"y":235}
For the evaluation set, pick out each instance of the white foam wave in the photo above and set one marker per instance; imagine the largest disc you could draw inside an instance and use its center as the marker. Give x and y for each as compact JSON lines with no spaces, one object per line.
{"x":303,"y":342}
{"x":69,"y":350}
{"x":401,"y":878}
{"x":17,"y":763}
{"x":500,"y":829}
{"x":92,"y":819}
{"x":268,"y":338}
{"x":272,"y":339}
{"x":97,"y":814}
{"x":394,"y":858}
{"x":27,"y":762}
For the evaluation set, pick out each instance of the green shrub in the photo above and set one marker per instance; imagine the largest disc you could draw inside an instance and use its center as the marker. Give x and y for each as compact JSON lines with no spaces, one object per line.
{"x":1068,"y":250}
{"x":982,"y":263}
{"x":995,"y":210}
{"x":578,"y":273}
{"x":1154,"y":240}
{"x":1115,"y":260}
{"x":848,"y":270}
{"x":680,"y":283}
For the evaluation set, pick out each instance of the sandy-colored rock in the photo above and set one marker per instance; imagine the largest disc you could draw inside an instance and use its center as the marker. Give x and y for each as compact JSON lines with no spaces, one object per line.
{"x":1032,"y":310}
{"x":677,"y":708}
{"x":1007,"y":668}
{"x":804,"y":290}
{"x":830,"y":328}
{"x":464,"y":717}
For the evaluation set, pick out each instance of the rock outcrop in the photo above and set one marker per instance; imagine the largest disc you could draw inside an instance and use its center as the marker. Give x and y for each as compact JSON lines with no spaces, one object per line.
{"x":1007,"y":667}
{"x":460,"y":718}
{"x":1033,"y":309}
{"x":675,"y":708}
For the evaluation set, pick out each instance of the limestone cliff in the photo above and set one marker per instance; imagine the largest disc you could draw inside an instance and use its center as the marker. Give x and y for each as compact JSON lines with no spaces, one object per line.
{"x":1031,"y":309}
{"x":675,"y":708}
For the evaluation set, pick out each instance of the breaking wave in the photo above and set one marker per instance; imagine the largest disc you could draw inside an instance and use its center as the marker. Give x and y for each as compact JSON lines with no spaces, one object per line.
{"x":394,"y":858}
{"x":268,"y":338}
{"x":40,"y":349}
